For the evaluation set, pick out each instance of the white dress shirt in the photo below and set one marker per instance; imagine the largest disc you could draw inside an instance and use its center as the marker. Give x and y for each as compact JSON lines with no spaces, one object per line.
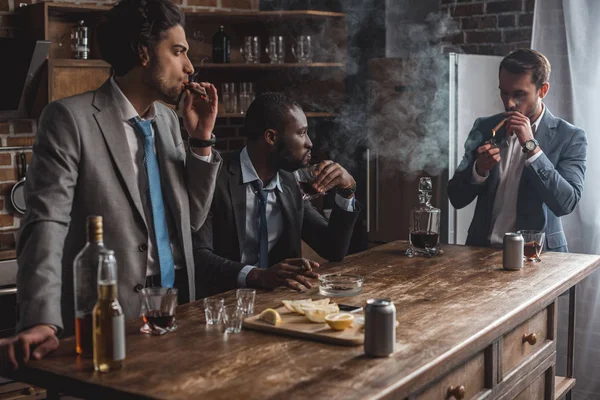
{"x":510,"y":169}
{"x":136,"y":149}
{"x":274,"y":215}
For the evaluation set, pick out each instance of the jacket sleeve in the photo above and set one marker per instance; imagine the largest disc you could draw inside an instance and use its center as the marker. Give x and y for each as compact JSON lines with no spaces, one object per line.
{"x":329,"y":238}
{"x":561,"y":187}
{"x":461,"y":190}
{"x":50,"y":187}
{"x":204,"y":177}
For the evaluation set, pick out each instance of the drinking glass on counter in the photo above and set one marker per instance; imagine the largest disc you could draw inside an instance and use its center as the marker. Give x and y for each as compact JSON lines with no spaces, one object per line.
{"x":303,"y":50}
{"x":229,"y":97}
{"x":233,"y":317}
{"x":213,"y":310}
{"x":276,"y":49}
{"x":305,"y":178}
{"x":245,"y":300}
{"x":159,"y":313}
{"x":533,"y":242}
{"x":246,"y":96}
{"x":251,"y":49}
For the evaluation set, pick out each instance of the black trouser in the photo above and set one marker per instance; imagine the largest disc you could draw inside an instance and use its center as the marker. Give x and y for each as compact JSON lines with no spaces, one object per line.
{"x":181,"y":283}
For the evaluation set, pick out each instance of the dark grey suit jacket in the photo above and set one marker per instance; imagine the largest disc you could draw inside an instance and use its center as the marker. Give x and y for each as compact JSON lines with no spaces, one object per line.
{"x":218,"y":245}
{"x":549,"y":188}
{"x":82,"y":166}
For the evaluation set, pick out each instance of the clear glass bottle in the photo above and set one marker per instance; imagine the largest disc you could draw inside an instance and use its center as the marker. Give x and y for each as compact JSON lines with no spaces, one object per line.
{"x":220,"y":46}
{"x":109,"y":320}
{"x":424,"y":230}
{"x":85,"y":278}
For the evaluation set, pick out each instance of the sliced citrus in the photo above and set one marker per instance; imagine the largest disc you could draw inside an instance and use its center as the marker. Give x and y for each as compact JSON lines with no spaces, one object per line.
{"x":289,"y":305}
{"x":316,"y":313}
{"x":339,"y":322}
{"x":270,"y":316}
{"x":321,"y":302}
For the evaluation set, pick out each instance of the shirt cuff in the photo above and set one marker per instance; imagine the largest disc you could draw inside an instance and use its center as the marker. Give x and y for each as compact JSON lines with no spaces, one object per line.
{"x":478,"y":179}
{"x":208,"y":158}
{"x":344,"y":203}
{"x":533,"y":158}
{"x":241,"y":279}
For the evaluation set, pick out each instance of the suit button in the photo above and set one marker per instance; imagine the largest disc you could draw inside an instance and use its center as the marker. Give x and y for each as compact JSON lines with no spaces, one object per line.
{"x":138,"y":288}
{"x":143,"y":247}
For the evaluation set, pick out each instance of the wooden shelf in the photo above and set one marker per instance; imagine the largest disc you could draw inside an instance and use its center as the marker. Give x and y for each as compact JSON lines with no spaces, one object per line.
{"x":270,"y":66}
{"x":72,"y":7}
{"x":72,"y":62}
{"x":261,"y":15}
{"x":562,"y":385}
{"x":309,"y":114}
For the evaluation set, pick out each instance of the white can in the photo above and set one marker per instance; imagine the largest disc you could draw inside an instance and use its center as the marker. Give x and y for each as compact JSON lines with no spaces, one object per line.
{"x":512,"y":255}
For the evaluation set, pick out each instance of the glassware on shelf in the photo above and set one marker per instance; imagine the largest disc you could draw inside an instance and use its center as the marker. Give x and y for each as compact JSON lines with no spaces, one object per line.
{"x":79,"y":41}
{"x":276,"y":49}
{"x":424,"y":230}
{"x":246,"y":96}
{"x":229,"y":97}
{"x":251,"y":50}
{"x":303,"y":50}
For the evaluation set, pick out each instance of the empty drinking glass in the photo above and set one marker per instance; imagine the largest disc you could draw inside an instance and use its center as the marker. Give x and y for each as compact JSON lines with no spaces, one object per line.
{"x":233,"y":317}
{"x":229,"y":97}
{"x":245,"y":300}
{"x":251,"y":50}
{"x":302,"y":49}
{"x":276,"y":49}
{"x":159,"y":310}
{"x":533,"y":242}
{"x":305,"y":178}
{"x":246,"y":96}
{"x":213,"y":310}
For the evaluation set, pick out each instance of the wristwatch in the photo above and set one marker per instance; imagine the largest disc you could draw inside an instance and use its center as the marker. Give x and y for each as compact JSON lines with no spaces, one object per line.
{"x":530,"y":145}
{"x":195,"y":142}
{"x":346,"y":192}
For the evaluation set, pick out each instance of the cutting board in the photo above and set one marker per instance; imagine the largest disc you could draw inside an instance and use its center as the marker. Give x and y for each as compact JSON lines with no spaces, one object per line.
{"x":299,"y":326}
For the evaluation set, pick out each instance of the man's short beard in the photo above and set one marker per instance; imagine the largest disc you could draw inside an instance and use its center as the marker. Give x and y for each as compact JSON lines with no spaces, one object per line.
{"x":154,"y":81}
{"x":283,"y":158}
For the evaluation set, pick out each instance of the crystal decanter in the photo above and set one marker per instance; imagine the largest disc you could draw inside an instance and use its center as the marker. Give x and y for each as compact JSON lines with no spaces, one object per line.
{"x":424,"y":230}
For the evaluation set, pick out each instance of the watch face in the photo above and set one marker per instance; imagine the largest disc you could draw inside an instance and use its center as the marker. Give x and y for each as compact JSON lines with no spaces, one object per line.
{"x":530,"y":145}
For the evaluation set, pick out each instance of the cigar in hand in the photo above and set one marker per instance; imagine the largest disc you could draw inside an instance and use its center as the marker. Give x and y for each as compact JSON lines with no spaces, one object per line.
{"x":495,"y":129}
{"x":197,"y":91}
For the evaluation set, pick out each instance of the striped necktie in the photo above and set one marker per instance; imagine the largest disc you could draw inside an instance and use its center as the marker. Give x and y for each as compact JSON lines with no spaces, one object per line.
{"x":263,"y":233}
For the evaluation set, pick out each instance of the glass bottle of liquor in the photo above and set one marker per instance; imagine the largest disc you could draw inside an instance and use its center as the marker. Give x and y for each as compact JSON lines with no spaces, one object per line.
{"x":220,"y":46}
{"x":424,"y":230}
{"x":85,"y":277}
{"x":109,"y":320}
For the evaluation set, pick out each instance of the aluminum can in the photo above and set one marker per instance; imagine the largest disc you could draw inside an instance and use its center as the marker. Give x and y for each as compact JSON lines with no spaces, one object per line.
{"x":512,"y":255}
{"x":380,"y":327}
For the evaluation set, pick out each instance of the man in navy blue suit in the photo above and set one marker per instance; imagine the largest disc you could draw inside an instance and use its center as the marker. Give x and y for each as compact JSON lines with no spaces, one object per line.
{"x":536,"y":172}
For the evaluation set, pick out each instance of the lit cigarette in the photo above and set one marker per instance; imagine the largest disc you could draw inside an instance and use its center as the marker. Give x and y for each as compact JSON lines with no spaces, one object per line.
{"x":494,"y":129}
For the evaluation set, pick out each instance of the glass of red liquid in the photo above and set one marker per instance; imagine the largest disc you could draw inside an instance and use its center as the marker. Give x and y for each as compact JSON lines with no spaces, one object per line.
{"x":159,"y":310}
{"x":533,"y":242}
{"x":305,"y":178}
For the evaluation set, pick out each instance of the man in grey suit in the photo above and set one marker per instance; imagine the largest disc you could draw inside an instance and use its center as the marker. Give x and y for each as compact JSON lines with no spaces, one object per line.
{"x":536,"y":173}
{"x":253,"y":234}
{"x":117,"y":152}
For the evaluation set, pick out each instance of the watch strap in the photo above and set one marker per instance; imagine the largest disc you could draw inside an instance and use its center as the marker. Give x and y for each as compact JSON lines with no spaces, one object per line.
{"x":346,"y":192}
{"x":196,"y":142}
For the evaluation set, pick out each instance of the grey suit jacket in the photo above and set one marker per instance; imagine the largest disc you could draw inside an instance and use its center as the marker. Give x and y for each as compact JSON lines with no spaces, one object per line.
{"x":218,"y":245}
{"x":81,"y":166}
{"x":549,"y":188}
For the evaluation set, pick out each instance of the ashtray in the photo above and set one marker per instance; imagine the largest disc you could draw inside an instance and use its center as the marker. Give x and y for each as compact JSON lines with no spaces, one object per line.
{"x":340,"y":285}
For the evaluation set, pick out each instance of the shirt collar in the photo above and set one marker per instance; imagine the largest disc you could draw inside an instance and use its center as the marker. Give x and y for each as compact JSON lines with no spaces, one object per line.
{"x":249,"y":173}
{"x":123,"y":104}
{"x":536,"y":123}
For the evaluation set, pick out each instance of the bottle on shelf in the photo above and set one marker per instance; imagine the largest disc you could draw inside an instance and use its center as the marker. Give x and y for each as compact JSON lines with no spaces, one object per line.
{"x":109,"y":320}
{"x":220,"y":46}
{"x":424,"y":230}
{"x":85,"y":276}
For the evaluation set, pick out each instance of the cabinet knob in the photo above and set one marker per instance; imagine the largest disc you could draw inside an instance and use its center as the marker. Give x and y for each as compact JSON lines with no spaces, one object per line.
{"x":458,"y":392}
{"x":530,"y":338}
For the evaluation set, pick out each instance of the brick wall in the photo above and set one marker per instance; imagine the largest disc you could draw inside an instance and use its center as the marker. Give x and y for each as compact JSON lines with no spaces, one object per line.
{"x":493,"y":27}
{"x":22,"y":132}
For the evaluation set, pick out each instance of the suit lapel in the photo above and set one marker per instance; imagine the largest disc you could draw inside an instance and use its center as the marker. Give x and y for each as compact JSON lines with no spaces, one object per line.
{"x":113,"y":131}
{"x":237,"y":193}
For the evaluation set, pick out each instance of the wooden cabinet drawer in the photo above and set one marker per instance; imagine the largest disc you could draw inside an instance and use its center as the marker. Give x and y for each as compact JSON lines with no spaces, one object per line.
{"x":524,"y":340}
{"x":535,"y":391}
{"x":470,"y":375}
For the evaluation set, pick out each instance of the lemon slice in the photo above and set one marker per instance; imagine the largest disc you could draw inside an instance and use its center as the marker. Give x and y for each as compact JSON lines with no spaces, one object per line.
{"x":322,"y":302}
{"x":288,"y":304}
{"x":300,"y":304}
{"x":317,"y":313}
{"x":270,"y":316}
{"x":339,"y":322}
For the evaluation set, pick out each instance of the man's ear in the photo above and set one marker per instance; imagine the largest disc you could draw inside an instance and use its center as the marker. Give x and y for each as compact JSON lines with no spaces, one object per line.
{"x":544,"y":90}
{"x":144,"y":55}
{"x":271,"y":136}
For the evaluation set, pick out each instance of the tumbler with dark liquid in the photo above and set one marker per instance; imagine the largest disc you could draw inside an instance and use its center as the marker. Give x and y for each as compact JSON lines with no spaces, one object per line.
{"x":305,"y":178}
{"x":159,"y":310}
{"x":533,"y":244}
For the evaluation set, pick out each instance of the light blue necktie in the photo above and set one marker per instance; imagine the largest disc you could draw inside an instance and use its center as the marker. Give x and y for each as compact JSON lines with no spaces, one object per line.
{"x":263,"y":233}
{"x":163,"y":244}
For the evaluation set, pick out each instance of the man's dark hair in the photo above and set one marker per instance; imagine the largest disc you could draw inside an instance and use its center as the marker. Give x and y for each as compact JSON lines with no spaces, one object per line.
{"x":131,"y":25}
{"x":268,"y":111}
{"x":527,"y":60}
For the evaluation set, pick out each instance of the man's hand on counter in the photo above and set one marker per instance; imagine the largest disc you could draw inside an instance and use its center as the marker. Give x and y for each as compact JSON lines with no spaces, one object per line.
{"x":291,"y":273}
{"x":33,"y":343}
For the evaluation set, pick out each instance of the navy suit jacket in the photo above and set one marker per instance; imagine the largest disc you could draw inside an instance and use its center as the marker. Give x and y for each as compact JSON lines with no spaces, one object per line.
{"x":549,"y":188}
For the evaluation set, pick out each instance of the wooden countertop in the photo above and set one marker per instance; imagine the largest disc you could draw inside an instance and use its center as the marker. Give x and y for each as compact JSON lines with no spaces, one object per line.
{"x":448,"y":308}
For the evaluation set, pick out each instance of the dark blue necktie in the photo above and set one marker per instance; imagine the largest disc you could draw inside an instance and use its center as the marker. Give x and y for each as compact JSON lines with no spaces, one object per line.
{"x":159,"y":217}
{"x":263,"y":233}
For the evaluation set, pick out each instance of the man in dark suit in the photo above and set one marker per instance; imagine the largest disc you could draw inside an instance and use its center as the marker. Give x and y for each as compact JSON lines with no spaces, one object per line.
{"x":535,"y":175}
{"x":255,"y":241}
